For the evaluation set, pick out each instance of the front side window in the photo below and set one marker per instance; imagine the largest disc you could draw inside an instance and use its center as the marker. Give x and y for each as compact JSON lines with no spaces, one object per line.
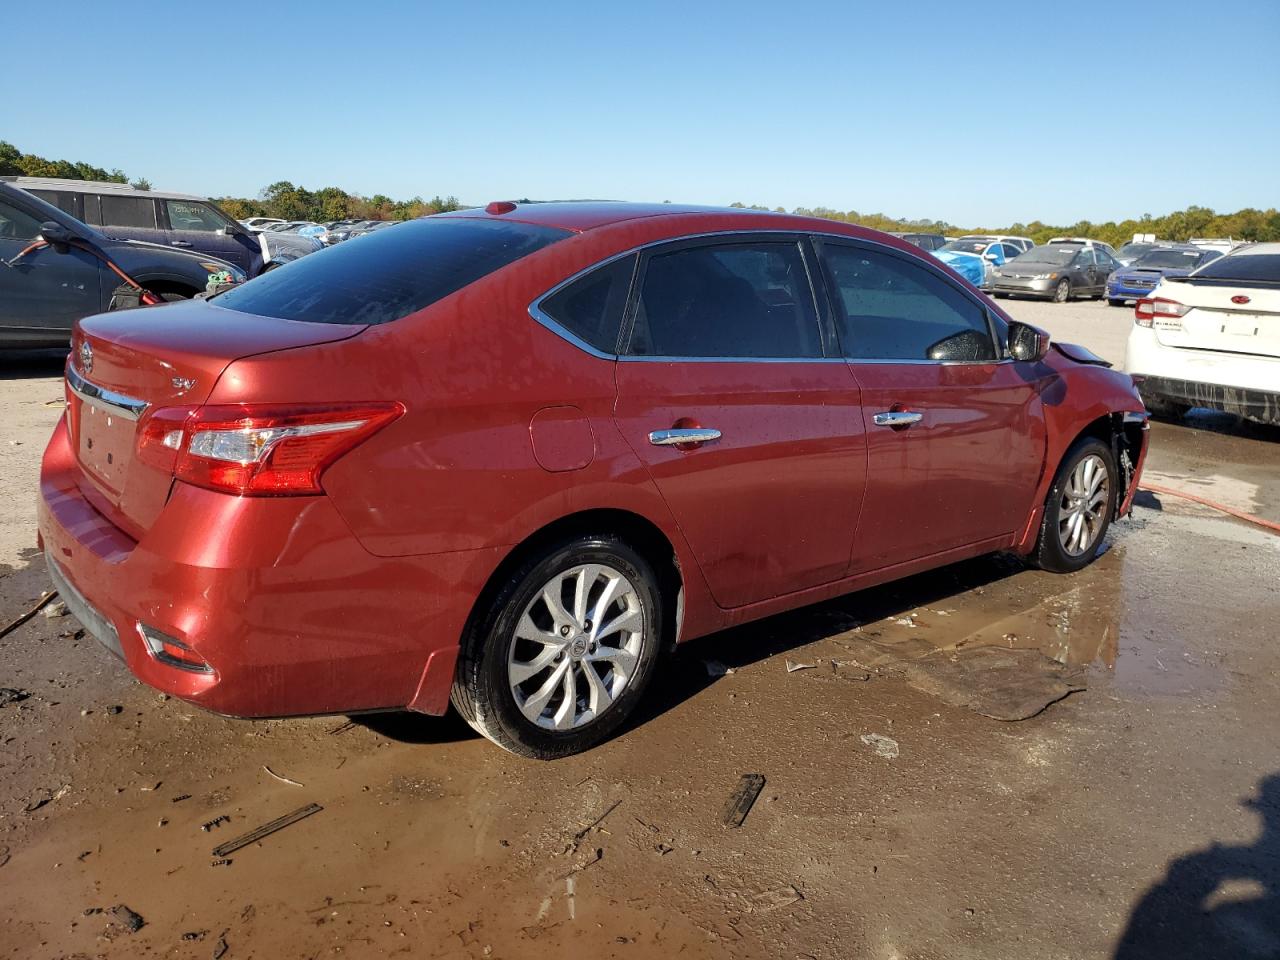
{"x":128,"y":212}
{"x":189,"y":215}
{"x":390,"y":273}
{"x":17,"y":225}
{"x":591,"y":307}
{"x":888,"y":308}
{"x":747,"y":299}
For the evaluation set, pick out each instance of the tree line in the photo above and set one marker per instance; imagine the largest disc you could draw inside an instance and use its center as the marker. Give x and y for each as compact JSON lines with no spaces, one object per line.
{"x":291,"y":202}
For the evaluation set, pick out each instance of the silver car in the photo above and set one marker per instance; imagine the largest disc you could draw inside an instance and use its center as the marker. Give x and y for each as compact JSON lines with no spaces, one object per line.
{"x":1057,"y":271}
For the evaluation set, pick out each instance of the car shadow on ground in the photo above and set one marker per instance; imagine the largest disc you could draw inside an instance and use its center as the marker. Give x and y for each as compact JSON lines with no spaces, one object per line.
{"x":32,"y":364}
{"x":684,"y":674}
{"x":1226,"y":424}
{"x":1220,"y":901}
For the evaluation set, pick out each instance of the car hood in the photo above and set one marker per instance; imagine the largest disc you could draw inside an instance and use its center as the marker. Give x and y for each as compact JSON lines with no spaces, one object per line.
{"x":114,"y":248}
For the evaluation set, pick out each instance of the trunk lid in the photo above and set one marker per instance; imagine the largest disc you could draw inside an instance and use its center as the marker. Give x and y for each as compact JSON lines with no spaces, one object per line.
{"x":1223,"y":317}
{"x":126,"y":366}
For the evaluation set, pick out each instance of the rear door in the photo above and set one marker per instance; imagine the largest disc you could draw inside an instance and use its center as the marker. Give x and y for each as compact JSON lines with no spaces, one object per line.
{"x":194,"y":225}
{"x":955,"y":440}
{"x":730,"y":392}
{"x":44,"y":292}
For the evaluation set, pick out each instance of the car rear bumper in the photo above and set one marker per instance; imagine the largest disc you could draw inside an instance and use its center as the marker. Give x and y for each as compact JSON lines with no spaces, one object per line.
{"x":1119,"y":291}
{"x":291,"y":614}
{"x":1260,"y":405}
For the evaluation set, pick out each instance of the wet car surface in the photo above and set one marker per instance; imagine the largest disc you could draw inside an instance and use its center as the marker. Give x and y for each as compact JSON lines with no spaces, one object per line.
{"x":1138,"y":809}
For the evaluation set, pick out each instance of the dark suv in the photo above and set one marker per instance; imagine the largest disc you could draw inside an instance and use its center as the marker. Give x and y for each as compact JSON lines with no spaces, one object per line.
{"x":44,"y":290}
{"x":172,"y":219}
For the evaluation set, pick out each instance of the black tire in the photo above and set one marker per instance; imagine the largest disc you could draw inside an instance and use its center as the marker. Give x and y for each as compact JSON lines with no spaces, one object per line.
{"x":1062,"y":292}
{"x":1051,"y":553}
{"x":1000,"y":296}
{"x":1164,"y":408}
{"x":482,"y":693}
{"x":1114,"y":303}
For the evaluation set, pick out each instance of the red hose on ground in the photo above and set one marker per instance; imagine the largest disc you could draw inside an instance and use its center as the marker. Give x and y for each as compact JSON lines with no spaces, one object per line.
{"x":1239,"y":514}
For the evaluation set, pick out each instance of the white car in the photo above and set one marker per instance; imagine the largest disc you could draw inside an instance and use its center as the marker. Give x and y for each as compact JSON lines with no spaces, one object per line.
{"x":258,"y":224}
{"x":1212,"y":339}
{"x":1022,"y":243}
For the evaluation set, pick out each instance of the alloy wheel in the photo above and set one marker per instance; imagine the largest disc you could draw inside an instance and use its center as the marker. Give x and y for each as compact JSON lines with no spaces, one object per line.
{"x":1082,"y":509}
{"x":576,"y":647}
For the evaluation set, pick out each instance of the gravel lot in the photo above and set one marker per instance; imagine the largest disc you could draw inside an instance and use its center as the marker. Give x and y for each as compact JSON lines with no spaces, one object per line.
{"x":1139,"y":817}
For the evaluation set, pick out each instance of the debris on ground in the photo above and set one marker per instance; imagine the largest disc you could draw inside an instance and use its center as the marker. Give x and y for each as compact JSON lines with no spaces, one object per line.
{"x":10,"y":695}
{"x":180,"y":798}
{"x":280,"y":778}
{"x":886,"y":747}
{"x":717,"y":669}
{"x":49,"y":797}
{"x":30,"y":612}
{"x":4,"y":856}
{"x":195,"y":935}
{"x":221,"y":862}
{"x":581,"y":834}
{"x":56,"y":609}
{"x":999,"y":683}
{"x":123,"y":920}
{"x":343,"y":727}
{"x":221,"y":947}
{"x":850,"y":670}
{"x":794,"y":665}
{"x":742,"y":798}
{"x":775,"y":899}
{"x":115,"y":710}
{"x":215,"y":822}
{"x":268,"y":828}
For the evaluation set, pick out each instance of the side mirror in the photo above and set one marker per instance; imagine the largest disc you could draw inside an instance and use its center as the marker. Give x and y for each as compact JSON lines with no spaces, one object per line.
{"x":1027,"y":342}
{"x":990,"y":256}
{"x":56,"y":235}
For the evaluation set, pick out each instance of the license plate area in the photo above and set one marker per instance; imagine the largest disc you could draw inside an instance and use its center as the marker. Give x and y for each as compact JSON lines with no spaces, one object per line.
{"x":105,"y":445}
{"x":1242,"y":325}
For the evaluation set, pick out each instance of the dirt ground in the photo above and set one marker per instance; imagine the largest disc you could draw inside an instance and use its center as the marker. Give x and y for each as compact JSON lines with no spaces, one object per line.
{"x":1138,"y":817}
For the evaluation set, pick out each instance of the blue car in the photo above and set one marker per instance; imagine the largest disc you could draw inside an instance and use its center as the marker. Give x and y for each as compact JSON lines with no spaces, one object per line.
{"x":1143,"y":275}
{"x":975,"y":259}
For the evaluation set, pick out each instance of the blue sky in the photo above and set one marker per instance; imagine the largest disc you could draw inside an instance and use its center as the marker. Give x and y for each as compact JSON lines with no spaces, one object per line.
{"x":975,"y":113}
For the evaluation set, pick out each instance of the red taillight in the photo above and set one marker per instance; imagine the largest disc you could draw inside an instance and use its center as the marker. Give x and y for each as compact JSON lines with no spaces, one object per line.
{"x":258,"y":449}
{"x":1149,"y":309}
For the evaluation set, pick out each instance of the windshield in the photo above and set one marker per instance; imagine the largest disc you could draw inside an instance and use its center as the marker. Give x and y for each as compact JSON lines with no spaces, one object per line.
{"x":1168,"y":259}
{"x":389,"y":275}
{"x":1131,"y":251}
{"x":966,"y":246}
{"x":1244,"y":267}
{"x":1055,"y":255}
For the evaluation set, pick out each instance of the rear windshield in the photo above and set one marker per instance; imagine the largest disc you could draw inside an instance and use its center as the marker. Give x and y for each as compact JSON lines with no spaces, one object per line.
{"x":1173,"y":259}
{"x":389,"y":275}
{"x":1243,"y":267}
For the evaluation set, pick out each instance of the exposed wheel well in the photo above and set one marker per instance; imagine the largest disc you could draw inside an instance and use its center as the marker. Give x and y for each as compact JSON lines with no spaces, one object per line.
{"x":640,"y":533}
{"x":1125,"y":440}
{"x":170,"y":286}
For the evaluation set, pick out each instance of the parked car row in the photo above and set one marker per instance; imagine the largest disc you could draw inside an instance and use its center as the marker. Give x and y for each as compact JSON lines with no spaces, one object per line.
{"x":54,"y":269}
{"x":335,"y":231}
{"x":178,"y":220}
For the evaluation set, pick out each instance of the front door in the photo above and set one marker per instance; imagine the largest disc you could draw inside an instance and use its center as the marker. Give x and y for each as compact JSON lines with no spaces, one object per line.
{"x":730,"y":393}
{"x":954,"y":436}
{"x":195,"y":226}
{"x":43,"y":292}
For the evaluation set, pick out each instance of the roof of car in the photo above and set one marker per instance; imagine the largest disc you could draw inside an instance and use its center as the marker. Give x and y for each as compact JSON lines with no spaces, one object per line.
{"x":95,"y":186}
{"x":580,"y":215}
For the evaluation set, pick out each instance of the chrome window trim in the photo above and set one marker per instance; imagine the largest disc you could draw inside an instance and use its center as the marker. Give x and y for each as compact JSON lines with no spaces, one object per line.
{"x":127,"y":407}
{"x":542,"y":318}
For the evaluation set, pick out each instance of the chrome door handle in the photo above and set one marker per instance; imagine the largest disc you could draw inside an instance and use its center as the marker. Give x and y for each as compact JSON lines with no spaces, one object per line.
{"x":896,"y":418}
{"x":671,"y":438}
{"x":179,"y":243}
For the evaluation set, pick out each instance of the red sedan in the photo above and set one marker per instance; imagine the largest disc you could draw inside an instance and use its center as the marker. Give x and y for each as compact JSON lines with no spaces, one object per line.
{"x":506,"y":457}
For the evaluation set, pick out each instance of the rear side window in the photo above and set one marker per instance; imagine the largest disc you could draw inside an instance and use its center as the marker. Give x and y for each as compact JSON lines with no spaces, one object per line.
{"x":727,"y":300}
{"x":890,"y":309}
{"x":92,"y":209}
{"x":591,"y":307}
{"x":389,"y":274}
{"x":128,"y":212}
{"x":64,"y":201}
